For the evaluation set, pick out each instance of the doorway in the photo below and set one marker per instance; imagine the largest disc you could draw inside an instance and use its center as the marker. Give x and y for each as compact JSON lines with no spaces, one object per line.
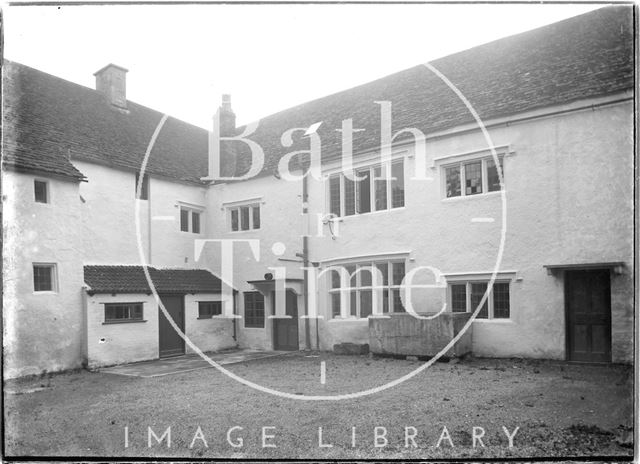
{"x":170,"y":342}
{"x":285,"y":331}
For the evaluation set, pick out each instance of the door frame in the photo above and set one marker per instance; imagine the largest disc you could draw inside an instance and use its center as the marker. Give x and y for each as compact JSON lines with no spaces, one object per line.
{"x":567,"y":318}
{"x":180,"y":323}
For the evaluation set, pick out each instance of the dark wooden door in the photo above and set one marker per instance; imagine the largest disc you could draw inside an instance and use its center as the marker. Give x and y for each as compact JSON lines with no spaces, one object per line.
{"x":171,"y":344}
{"x":588,"y":303}
{"x":285,"y":331}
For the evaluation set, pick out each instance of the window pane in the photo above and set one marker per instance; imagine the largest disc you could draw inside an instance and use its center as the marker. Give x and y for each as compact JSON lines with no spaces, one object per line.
{"x":244,"y":218}
{"x":363,"y":191}
{"x":493,"y":180}
{"x":365,"y":303}
{"x":40,"y":191}
{"x":452,"y":175}
{"x":384,"y":270}
{"x":398,"y":307}
{"x":335,"y":279}
{"x":365,"y":277}
{"x":385,"y":301}
{"x":334,"y":195}
{"x":123,"y":312}
{"x":381,"y":188}
{"x":335,"y":304}
{"x":473,"y":178}
{"x":477,"y":292}
{"x":353,"y":307}
{"x":459,"y":298}
{"x":397,"y":184}
{"x":234,"y":220}
{"x":184,"y":220}
{"x":256,"y":217}
{"x":137,"y":311}
{"x":253,"y":309}
{"x":501,"y":300}
{"x":398,"y":273}
{"x":42,"y":278}
{"x":195,"y":222}
{"x":349,"y":197}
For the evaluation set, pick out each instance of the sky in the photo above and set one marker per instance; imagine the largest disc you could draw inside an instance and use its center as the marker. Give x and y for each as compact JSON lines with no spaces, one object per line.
{"x":181,"y":58}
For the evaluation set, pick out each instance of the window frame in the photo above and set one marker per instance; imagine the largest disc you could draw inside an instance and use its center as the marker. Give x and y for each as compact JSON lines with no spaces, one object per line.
{"x":469,"y":308}
{"x":237,"y":208}
{"x":214,"y":313}
{"x":248,"y":319}
{"x":386,"y":169}
{"x":53,"y":277}
{"x":191,"y":211}
{"x":47,"y":191}
{"x":484,"y":171}
{"x":128,"y":320}
{"x":376,"y":293}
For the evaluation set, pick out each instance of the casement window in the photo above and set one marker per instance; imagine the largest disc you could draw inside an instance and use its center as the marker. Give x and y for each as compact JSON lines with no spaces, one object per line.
{"x":253,"y":309}
{"x":45,"y":277}
{"x":246,"y":217}
{"x":380,"y":187}
{"x":190,"y":220}
{"x":466,"y":296}
{"x":472,"y":177}
{"x":359,"y":293}
{"x":41,"y":191}
{"x":122,"y":312}
{"x":144,"y":192}
{"x":208,"y":309}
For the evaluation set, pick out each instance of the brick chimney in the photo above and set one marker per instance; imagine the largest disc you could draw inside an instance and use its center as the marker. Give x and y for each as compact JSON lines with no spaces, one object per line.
{"x":112,"y":82}
{"x":227,"y":117}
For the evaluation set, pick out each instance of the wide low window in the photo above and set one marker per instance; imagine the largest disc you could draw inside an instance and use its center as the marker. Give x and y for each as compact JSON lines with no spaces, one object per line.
{"x":44,"y":277}
{"x":472,"y":177}
{"x":359,"y":293}
{"x":253,"y":309}
{"x":246,"y":217}
{"x":208,"y":309}
{"x":466,"y":296}
{"x":379,"y":187}
{"x":190,"y":220}
{"x":122,"y":312}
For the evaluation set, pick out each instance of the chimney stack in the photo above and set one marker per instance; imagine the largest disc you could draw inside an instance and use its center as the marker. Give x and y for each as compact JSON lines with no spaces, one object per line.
{"x":227,"y":117}
{"x":112,"y":82}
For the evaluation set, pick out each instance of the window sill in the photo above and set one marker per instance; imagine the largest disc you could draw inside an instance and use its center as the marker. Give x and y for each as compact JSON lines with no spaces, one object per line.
{"x":190,"y":233}
{"x":243,"y":231}
{"x":123,"y":322}
{"x":494,"y":321}
{"x":217,"y":316}
{"x":469,"y":197}
{"x":370,"y":213}
{"x":258,"y":328}
{"x":45,"y":292}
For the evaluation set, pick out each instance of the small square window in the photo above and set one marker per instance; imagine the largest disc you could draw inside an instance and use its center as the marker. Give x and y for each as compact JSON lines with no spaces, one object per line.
{"x":41,"y":191}
{"x":208,"y":309}
{"x":245,"y":218}
{"x":44,"y":277}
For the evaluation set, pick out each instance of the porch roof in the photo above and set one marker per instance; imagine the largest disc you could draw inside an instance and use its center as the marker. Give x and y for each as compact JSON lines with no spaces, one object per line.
{"x":132,"y":279}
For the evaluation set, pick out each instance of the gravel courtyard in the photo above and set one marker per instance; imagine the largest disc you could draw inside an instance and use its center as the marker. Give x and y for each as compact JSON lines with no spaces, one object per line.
{"x":559,"y":410}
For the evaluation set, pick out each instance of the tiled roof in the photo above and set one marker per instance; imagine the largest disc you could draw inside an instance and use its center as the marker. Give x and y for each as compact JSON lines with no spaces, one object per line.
{"x":586,"y":56}
{"x":131,"y":279}
{"x":50,"y":119}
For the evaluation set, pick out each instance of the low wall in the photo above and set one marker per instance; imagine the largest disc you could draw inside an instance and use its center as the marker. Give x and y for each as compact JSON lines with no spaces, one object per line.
{"x":405,"y":334}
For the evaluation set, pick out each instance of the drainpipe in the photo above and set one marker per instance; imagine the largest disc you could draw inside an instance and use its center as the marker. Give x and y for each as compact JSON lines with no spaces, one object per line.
{"x":305,"y":262}
{"x":235,"y":308}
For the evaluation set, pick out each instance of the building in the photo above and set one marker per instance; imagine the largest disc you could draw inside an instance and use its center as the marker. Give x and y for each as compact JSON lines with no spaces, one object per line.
{"x":556,"y":235}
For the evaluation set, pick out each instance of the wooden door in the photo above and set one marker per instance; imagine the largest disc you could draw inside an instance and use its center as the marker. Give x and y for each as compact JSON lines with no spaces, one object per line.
{"x":171,"y":343}
{"x":285,"y":331}
{"x":588,"y":307}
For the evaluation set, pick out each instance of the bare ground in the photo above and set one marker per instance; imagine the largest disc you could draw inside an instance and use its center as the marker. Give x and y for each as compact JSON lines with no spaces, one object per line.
{"x":560,"y":409}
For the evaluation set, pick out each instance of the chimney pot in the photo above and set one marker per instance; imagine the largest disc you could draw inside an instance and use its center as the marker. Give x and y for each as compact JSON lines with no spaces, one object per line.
{"x":227,"y":117}
{"x":112,"y":82}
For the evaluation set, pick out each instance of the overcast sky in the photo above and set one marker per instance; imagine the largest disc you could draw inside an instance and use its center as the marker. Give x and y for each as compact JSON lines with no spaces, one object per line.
{"x":268,"y":57}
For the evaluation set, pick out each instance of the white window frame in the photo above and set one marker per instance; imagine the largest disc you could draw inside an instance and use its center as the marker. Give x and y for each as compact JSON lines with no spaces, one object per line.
{"x":460,"y":163}
{"x":377,"y":295}
{"x":54,"y":278}
{"x":490,"y":302}
{"x":386,"y":167}
{"x":238,"y":207}
{"x":192,"y":209}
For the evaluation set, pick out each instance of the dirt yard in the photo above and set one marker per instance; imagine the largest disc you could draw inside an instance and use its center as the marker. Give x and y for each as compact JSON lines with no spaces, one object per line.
{"x":559,"y":410}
